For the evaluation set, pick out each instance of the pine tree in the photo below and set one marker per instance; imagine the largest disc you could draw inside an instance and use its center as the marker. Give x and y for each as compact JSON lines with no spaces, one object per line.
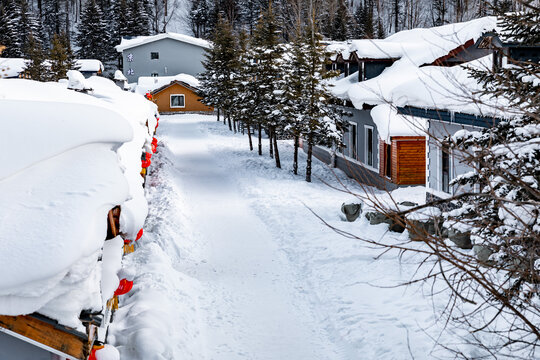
{"x":138,"y":21}
{"x":35,"y":67}
{"x":121,"y":14}
{"x":501,"y":206}
{"x":61,"y":57}
{"x":29,"y":26}
{"x":323,"y":123}
{"x":267,"y":53}
{"x":9,"y":32}
{"x":199,"y":17}
{"x":216,"y":81}
{"x":93,"y":37}
{"x":343,"y":21}
{"x":293,"y":104}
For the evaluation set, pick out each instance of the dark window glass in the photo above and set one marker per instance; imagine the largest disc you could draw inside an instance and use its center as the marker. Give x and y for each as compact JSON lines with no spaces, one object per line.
{"x":354,"y":152}
{"x":445,"y":165}
{"x":388,"y":159}
{"x":177,"y":101}
{"x":154,"y":55}
{"x":369,"y":146}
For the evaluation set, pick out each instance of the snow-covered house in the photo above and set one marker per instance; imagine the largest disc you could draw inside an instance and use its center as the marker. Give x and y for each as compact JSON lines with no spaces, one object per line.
{"x":73,"y":177}
{"x":162,"y":55}
{"x":11,"y":68}
{"x":178,"y":93}
{"x":90,"y":67}
{"x":382,"y":148}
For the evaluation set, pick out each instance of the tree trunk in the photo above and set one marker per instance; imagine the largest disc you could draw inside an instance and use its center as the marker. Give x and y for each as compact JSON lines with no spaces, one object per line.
{"x":309,"y":155}
{"x":295,"y":160}
{"x":249,"y":136}
{"x":276,"y":151}
{"x":260,"y":140}
{"x":229,"y":121}
{"x":271,"y":147}
{"x":217,"y":114}
{"x":235,"y":125}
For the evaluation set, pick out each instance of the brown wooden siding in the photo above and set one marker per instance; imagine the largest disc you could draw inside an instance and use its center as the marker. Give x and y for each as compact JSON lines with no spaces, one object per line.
{"x":163,"y":100}
{"x":409,"y":160}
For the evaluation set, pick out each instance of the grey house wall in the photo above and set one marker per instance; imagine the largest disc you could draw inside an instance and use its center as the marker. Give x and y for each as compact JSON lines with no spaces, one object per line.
{"x":175,"y":57}
{"x":438,"y":130}
{"x":356,"y":167}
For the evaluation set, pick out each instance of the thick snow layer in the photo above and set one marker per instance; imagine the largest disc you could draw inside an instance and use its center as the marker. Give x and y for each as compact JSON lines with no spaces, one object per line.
{"x":234,"y":265}
{"x":390,"y":123}
{"x":111,"y":263}
{"x":151,"y":83}
{"x":118,"y":75}
{"x":11,"y":67}
{"x":90,"y":65}
{"x":76,"y":81}
{"x":140,"y":112}
{"x":140,"y":40}
{"x":54,"y":216}
{"x":69,"y":120}
{"x":108,"y":353}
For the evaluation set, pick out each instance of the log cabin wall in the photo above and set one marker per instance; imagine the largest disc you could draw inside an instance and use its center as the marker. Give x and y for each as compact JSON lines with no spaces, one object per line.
{"x":162,"y":98}
{"x":409,"y":160}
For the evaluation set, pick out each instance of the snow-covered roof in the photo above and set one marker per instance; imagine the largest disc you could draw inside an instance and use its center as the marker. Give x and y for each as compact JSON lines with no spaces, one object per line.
{"x":407,"y":81}
{"x":90,"y":65}
{"x":140,"y":40}
{"x":151,"y":83}
{"x":118,"y":75}
{"x":68,"y":159}
{"x":11,"y":67}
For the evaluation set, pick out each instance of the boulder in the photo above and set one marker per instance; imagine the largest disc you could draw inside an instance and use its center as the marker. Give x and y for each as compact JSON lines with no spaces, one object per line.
{"x":376,"y":217}
{"x":407,"y":203}
{"x":482,"y":252}
{"x":352,"y":211}
{"x":418,"y":229}
{"x":461,"y":239}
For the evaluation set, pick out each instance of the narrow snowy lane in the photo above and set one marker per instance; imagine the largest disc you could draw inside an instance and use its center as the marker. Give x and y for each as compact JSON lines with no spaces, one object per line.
{"x":254,"y":307}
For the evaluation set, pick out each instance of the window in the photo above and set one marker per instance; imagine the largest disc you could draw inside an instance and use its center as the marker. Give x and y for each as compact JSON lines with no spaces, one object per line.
{"x":353,"y":152}
{"x":388,"y":160}
{"x":154,"y":55}
{"x":154,"y":75}
{"x":368,"y":133}
{"x":178,"y":101}
{"x":445,"y":170}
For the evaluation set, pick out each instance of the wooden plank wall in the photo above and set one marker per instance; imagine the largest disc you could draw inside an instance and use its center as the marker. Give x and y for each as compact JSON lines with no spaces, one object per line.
{"x":77,"y":346}
{"x":409,"y":160}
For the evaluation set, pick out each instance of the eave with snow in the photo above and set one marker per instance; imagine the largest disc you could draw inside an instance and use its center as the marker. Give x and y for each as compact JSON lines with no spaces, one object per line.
{"x":386,"y":141}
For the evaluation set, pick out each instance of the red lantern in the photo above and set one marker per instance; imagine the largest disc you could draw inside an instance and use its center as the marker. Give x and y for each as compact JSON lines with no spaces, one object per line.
{"x":148,"y":156}
{"x":154,"y":141}
{"x":146,"y":163}
{"x":126,"y":241}
{"x":93,"y":352}
{"x":124,"y":287}
{"x":154,"y":148}
{"x":139,"y":234}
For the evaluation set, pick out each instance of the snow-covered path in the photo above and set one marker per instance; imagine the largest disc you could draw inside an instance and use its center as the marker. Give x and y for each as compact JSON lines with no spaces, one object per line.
{"x":233,"y":265}
{"x":255,"y":309}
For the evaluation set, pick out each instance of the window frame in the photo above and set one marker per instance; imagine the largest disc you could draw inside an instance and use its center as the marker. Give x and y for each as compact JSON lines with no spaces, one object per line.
{"x":177,"y":107}
{"x":353,"y":139}
{"x":366,"y":146}
{"x":152,"y":55}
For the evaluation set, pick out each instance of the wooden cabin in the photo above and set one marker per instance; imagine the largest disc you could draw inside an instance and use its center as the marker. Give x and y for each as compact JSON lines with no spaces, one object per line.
{"x":178,"y":96}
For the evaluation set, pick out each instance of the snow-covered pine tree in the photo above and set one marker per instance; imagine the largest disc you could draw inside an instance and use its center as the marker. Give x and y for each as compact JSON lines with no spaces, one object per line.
{"x":342,"y":27}
{"x":54,"y":17}
{"x":242,"y":77}
{"x":267,"y":53}
{"x":29,"y":26}
{"x":216,"y":80}
{"x":35,"y":66}
{"x":61,"y":57}
{"x":93,"y":37}
{"x":501,"y":208}
{"x":9,"y":31}
{"x":121,"y":15}
{"x":198,"y":17}
{"x":323,"y":122}
{"x":138,"y":20}
{"x":293,"y":104}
